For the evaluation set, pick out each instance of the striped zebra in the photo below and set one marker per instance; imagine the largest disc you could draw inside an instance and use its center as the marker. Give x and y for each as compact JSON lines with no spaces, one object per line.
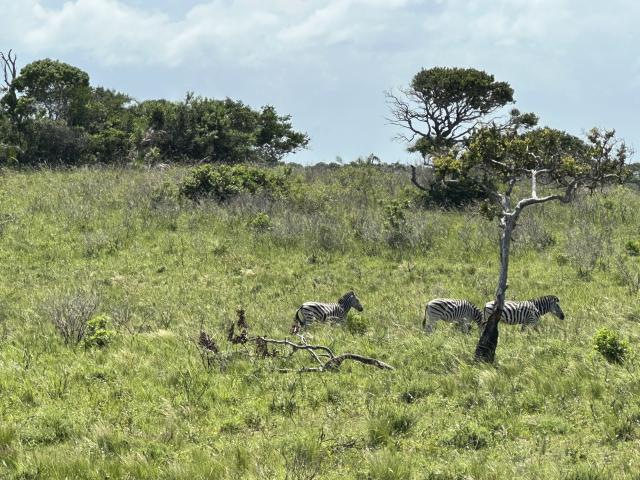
{"x":452,"y":310}
{"x":311,"y":311}
{"x":527,"y":312}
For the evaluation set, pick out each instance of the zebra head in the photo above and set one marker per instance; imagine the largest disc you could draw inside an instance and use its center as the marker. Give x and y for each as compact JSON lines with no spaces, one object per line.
{"x":554,"y":308}
{"x":549,"y":304}
{"x":350,"y":300}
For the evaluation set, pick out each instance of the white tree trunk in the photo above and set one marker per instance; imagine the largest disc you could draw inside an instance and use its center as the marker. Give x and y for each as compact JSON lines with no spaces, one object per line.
{"x":488,"y":342}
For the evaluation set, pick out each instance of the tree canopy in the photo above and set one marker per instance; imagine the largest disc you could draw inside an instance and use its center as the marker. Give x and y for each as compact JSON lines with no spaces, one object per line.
{"x":54,"y":90}
{"x":50,"y":113}
{"x":449,"y":113}
{"x":442,"y":106}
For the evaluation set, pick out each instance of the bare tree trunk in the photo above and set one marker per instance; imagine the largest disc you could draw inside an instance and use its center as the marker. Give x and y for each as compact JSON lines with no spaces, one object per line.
{"x":486,"y":348}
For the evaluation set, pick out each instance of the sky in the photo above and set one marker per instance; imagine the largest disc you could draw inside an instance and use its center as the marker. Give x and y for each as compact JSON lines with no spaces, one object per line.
{"x":327,"y":63}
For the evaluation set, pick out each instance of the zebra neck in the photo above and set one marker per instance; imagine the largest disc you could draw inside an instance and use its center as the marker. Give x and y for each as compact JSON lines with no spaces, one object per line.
{"x":542,"y":305}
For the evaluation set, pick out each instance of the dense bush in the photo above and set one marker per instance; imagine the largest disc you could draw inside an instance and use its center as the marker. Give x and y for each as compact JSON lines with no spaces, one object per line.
{"x":222,"y":182}
{"x":52,"y":115}
{"x":396,"y":224}
{"x":609,"y":344}
{"x":99,"y":332}
{"x":633,"y":248}
{"x":54,"y":142}
{"x":357,"y":324}
{"x":454,"y":194}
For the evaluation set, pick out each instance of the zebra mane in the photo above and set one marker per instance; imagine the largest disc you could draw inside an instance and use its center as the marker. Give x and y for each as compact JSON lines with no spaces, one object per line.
{"x":346,"y":297}
{"x":545,"y":302}
{"x":551,"y":298}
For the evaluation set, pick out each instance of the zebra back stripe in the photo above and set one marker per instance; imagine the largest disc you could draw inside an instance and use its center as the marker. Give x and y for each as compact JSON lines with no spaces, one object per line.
{"x":524,"y":312}
{"x":450,"y":309}
{"x":318,"y":311}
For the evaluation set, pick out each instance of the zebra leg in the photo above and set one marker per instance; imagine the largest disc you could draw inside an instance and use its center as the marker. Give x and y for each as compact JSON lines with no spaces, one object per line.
{"x":465,"y":326}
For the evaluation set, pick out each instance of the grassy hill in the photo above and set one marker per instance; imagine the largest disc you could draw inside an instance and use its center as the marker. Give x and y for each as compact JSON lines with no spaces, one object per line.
{"x":162,"y":267}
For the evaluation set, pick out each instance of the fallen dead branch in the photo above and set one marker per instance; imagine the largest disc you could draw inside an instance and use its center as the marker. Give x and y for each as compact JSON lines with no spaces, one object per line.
{"x":323,"y":357}
{"x":332,"y":364}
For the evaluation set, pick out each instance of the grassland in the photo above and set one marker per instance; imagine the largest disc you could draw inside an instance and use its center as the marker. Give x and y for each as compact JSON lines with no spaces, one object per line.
{"x":163,"y":267}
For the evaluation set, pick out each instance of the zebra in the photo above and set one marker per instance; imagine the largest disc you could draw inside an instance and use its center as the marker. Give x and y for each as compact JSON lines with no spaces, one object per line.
{"x":527,"y":312}
{"x":453,"y":310}
{"x":310,"y":311}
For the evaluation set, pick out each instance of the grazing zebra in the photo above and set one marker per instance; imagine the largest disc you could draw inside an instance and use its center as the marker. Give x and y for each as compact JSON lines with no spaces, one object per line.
{"x":461,"y":311}
{"x":310,"y":311}
{"x":527,"y":312}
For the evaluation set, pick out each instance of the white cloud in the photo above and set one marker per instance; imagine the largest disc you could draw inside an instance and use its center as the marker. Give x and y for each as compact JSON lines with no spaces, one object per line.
{"x":576,"y":53}
{"x":244,"y":31}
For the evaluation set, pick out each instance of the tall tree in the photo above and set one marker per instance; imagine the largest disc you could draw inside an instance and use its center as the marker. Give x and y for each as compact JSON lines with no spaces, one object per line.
{"x":463,"y":143}
{"x":55,"y":90}
{"x":498,"y":158}
{"x":442,"y":107}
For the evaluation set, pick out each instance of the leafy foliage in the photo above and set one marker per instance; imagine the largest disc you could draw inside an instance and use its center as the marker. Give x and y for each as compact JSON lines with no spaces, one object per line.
{"x":261,"y":222}
{"x":222,"y":182}
{"x":609,"y":344}
{"x":51,"y":99}
{"x":54,"y":90}
{"x":460,"y":193}
{"x":357,"y":323}
{"x":99,"y":332}
{"x":443,"y":105}
{"x":633,"y":248}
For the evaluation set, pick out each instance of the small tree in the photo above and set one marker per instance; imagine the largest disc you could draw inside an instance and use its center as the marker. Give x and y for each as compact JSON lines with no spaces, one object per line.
{"x":449,"y":113}
{"x":54,"y":90}
{"x":498,"y":158}
{"x":442,"y":107}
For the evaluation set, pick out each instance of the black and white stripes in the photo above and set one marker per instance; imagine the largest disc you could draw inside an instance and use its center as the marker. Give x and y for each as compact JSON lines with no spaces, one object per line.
{"x":315,"y":311}
{"x":527,"y":312}
{"x":452,"y":310}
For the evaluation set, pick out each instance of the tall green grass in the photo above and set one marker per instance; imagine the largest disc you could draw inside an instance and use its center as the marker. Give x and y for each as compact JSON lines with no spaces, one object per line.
{"x":162,"y":268}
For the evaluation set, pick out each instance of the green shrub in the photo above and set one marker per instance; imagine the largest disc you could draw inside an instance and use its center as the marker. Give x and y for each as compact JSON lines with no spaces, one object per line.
{"x":260,"y":222}
{"x":396,"y":225}
{"x":633,"y":248}
{"x":454,"y":194}
{"x":610,"y":345}
{"x":222,"y":182}
{"x":98,"y":332}
{"x":357,"y":324}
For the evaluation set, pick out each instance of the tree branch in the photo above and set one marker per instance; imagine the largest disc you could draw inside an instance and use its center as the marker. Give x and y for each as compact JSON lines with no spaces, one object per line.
{"x":564,"y":198}
{"x":9,"y":69}
{"x":414,"y":179}
{"x":293,"y":345}
{"x":332,"y":364}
